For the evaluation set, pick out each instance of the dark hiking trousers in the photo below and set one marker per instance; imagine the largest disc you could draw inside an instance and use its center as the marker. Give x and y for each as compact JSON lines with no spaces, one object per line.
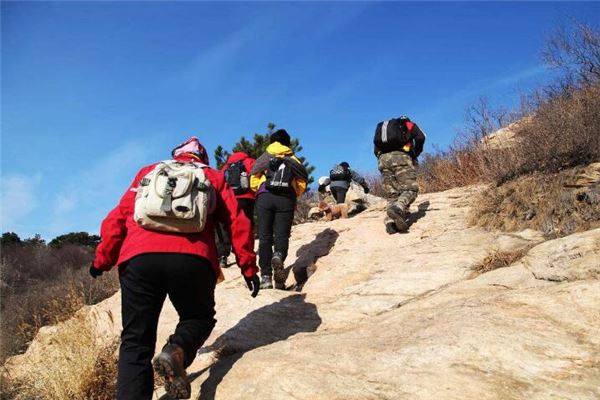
{"x":339,"y":193}
{"x":275,"y":217}
{"x":224,"y":242}
{"x":145,"y":282}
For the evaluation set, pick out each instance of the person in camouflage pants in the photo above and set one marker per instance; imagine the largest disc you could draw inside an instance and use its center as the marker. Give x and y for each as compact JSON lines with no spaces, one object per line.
{"x":400,"y":185}
{"x":398,"y":143}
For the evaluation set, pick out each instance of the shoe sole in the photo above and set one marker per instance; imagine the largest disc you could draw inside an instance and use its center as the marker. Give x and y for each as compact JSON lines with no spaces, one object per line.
{"x":176,"y":386}
{"x":278,"y":273}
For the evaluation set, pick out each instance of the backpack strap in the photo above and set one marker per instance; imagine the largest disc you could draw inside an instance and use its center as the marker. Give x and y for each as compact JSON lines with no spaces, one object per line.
{"x":384,"y":137}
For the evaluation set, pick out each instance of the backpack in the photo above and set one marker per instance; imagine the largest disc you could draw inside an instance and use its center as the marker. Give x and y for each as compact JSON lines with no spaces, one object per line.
{"x":279,"y":176}
{"x":237,"y":177}
{"x":174,"y":197}
{"x":339,"y":173}
{"x":392,"y":135}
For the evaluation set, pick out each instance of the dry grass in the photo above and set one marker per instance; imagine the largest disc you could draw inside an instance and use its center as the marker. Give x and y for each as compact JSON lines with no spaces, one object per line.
{"x":497,"y":259}
{"x":75,"y":366}
{"x":545,"y":202}
{"x":43,"y":286}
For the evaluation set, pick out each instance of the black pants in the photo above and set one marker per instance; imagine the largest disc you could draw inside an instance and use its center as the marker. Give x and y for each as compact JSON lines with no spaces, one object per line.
{"x":145,"y":282}
{"x":339,"y":193}
{"x":224,"y":241}
{"x":275,"y":217}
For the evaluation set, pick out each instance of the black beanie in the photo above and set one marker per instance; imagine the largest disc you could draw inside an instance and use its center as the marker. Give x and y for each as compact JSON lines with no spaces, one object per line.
{"x":345,"y":165}
{"x":281,"y":136}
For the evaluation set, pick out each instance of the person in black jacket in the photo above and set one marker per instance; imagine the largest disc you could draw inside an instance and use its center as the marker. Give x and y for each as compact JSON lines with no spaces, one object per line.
{"x":397,"y":145}
{"x":341,"y":176}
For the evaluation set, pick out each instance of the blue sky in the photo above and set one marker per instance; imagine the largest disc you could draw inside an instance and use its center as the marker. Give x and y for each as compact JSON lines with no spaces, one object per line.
{"x":91,"y":91}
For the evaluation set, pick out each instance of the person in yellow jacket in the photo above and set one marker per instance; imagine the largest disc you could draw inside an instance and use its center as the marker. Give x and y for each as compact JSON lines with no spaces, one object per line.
{"x":278,"y":178}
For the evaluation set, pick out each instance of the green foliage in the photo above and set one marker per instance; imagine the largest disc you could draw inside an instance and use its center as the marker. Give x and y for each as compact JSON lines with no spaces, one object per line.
{"x":9,"y":238}
{"x":36,"y":240}
{"x":77,"y":238}
{"x":257,"y":146}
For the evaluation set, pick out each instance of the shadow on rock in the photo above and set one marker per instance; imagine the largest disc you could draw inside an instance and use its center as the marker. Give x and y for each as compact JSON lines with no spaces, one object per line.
{"x":422,"y":210}
{"x":308,"y":254}
{"x":267,"y":325}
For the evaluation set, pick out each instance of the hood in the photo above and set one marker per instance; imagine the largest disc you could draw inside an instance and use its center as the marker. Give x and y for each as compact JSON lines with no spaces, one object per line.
{"x":191,"y":148}
{"x":237,"y":156}
{"x":277,"y":149}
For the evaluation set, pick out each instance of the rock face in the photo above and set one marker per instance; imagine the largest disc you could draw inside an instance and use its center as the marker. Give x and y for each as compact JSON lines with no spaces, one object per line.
{"x":376,"y":316}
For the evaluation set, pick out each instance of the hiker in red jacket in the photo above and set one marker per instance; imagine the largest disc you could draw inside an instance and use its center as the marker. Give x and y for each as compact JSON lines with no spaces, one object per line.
{"x":237,"y":175}
{"x":153,"y":264}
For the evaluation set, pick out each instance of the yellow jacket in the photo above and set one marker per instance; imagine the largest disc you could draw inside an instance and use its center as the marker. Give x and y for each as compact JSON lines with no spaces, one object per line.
{"x":275,"y":149}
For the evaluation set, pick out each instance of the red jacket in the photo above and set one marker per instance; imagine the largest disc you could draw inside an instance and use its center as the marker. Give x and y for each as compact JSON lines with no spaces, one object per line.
{"x":248,"y":164}
{"x":123,"y":238}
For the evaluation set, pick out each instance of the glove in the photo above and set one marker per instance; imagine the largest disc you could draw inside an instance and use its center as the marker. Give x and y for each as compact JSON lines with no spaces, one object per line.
{"x":367,"y":190}
{"x":253,"y":284}
{"x":415,"y":162}
{"x":95,"y":272}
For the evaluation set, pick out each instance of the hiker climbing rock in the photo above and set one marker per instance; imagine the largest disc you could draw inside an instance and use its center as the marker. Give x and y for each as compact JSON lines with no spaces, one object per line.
{"x":278,"y":178}
{"x":237,"y":175}
{"x":161,"y":236}
{"x":341,"y":176}
{"x":397,"y":144}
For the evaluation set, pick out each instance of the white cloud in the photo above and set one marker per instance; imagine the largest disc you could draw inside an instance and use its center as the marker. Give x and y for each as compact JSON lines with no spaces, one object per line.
{"x":96,"y":189}
{"x":19,"y":199}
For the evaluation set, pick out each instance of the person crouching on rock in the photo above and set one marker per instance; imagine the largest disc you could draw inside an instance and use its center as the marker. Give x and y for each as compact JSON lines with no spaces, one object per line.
{"x":161,"y":236}
{"x":341,"y":176}
{"x":278,"y":178}
{"x":397,"y":144}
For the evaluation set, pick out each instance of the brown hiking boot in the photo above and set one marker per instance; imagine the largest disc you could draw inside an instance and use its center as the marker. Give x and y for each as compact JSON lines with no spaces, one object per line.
{"x":399,"y":216}
{"x":170,"y":365}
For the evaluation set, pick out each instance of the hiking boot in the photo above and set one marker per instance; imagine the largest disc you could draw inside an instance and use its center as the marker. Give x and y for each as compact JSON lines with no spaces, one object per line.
{"x":390,"y":227}
{"x":266,"y":282}
{"x":169,"y":364}
{"x":223,"y":262}
{"x":399,"y":217}
{"x":278,"y":271}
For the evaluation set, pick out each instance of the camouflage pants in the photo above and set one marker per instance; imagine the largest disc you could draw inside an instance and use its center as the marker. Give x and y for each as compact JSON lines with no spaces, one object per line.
{"x":399,"y":179}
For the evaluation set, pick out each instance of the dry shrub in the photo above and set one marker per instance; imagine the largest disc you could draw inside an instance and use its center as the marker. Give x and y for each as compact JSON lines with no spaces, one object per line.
{"x":497,"y":259}
{"x":375,"y":183}
{"x":74,"y":367}
{"x":43,"y":286}
{"x":303,"y":205}
{"x":559,"y":125}
{"x":545,"y":202}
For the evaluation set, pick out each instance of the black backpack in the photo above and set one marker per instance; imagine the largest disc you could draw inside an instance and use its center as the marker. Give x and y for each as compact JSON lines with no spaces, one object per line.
{"x":237,"y":177}
{"x":391,"y":135}
{"x":339,"y":173}
{"x":280,"y":176}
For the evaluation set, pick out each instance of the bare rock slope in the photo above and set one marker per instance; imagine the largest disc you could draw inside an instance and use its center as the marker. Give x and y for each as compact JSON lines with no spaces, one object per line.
{"x":406,"y":317}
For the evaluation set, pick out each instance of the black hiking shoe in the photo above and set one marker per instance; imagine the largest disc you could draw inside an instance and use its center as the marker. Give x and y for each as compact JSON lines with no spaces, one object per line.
{"x":266,"y":282}
{"x":278,"y":271}
{"x":223,"y":262}
{"x":169,"y":364}
{"x":390,"y":228}
{"x":399,"y":217}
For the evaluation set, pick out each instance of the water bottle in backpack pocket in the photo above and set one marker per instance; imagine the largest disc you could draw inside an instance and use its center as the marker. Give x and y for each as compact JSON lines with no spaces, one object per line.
{"x":174,"y":197}
{"x":237,"y":177}
{"x":280,"y":176}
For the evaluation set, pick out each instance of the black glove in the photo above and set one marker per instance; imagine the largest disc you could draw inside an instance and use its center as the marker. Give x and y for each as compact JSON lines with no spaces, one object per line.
{"x":95,"y":272}
{"x":367,"y":190}
{"x":253,"y":284}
